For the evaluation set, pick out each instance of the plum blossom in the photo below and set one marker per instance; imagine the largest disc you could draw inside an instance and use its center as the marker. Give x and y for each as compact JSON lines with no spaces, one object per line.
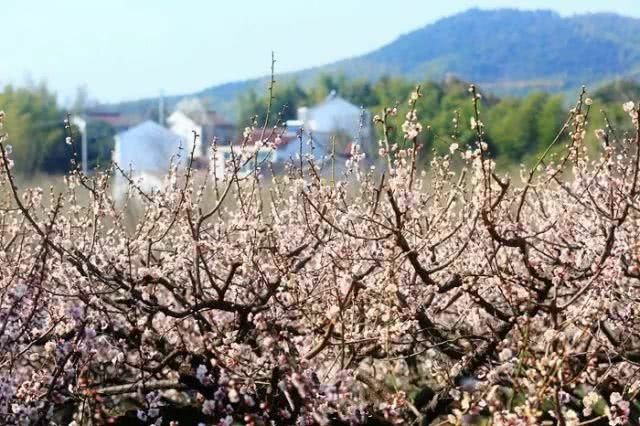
{"x":628,"y":107}
{"x":450,"y":290}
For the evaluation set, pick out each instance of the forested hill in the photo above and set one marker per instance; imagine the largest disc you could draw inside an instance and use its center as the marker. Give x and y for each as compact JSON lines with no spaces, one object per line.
{"x":513,"y":51}
{"x":505,"y":51}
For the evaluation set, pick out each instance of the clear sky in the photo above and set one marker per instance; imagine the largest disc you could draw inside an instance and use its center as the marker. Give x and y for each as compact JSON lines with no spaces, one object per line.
{"x":127,"y":49}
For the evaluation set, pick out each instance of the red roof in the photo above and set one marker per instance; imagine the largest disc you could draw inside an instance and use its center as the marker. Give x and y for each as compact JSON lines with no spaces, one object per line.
{"x":114,"y":119}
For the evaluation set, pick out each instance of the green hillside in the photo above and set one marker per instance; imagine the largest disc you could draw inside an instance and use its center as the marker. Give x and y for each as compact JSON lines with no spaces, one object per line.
{"x":504,"y":51}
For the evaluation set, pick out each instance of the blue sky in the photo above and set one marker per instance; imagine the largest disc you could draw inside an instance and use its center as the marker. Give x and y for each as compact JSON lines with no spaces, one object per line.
{"x":127,"y":49}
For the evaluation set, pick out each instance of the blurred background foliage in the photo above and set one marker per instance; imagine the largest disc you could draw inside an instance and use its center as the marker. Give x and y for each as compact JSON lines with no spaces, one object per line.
{"x":35,"y":125}
{"x":517,"y":128}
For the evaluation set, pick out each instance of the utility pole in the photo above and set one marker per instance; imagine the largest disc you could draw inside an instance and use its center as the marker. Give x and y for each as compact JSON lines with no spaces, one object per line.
{"x":161,"y":109}
{"x":81,"y":122}
{"x":85,"y":167}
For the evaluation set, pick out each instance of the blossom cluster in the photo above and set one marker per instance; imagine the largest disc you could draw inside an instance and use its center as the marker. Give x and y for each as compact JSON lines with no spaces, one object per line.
{"x":389,"y":296}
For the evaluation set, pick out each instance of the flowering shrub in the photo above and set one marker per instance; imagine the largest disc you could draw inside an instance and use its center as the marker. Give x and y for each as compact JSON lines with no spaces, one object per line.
{"x":450,"y":295}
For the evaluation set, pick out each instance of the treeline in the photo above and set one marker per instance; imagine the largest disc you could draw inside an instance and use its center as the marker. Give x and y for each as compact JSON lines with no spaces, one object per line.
{"x":517,"y":128}
{"x":35,"y":125}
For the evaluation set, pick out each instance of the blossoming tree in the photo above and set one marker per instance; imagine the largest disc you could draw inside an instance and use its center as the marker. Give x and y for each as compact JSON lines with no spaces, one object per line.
{"x":451,"y":295}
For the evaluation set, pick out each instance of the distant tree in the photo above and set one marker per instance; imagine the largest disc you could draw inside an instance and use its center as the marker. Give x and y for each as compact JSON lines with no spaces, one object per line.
{"x":391,"y":90}
{"x":284,"y":105}
{"x":514,"y":125}
{"x":100,"y":144}
{"x":36,"y":128}
{"x":360,"y":92}
{"x":552,"y":116}
{"x":38,"y":132}
{"x":81,"y":100}
{"x":618,"y":91}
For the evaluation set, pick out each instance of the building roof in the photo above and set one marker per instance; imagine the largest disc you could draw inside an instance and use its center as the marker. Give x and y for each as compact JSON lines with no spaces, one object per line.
{"x":333,"y":100}
{"x":204,"y":118}
{"x":334,"y":114}
{"x":147,"y":147}
{"x":197,"y":111}
{"x":114,"y":119}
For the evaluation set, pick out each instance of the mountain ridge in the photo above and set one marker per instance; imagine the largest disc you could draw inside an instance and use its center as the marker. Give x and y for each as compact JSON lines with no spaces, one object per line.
{"x":505,"y":51}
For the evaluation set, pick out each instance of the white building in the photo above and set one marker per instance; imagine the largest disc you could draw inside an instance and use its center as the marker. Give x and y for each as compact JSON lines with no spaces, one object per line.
{"x":295,"y":141}
{"x":146,"y":150}
{"x":191,"y":116}
{"x":333,"y":124}
{"x":225,"y":153}
{"x":337,"y":121}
